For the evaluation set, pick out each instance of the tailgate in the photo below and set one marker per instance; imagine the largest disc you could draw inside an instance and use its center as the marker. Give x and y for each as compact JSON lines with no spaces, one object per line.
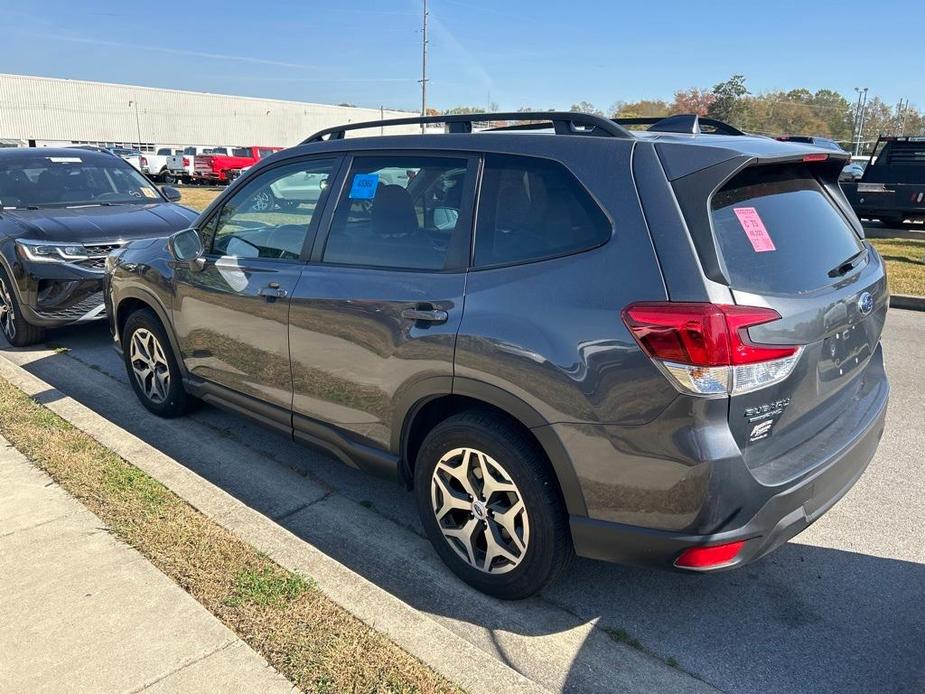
{"x":202,"y":165}
{"x":786,"y":243}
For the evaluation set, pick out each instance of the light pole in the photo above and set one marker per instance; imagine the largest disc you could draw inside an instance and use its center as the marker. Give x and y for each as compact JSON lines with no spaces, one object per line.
{"x":859,"y":118}
{"x":137,"y":122}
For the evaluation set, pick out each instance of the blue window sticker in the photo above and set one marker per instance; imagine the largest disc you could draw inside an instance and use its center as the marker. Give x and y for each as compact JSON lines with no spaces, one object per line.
{"x":364,"y":186}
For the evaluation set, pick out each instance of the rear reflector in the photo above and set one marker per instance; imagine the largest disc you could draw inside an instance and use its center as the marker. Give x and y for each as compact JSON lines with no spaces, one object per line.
{"x":705,"y":348}
{"x":815,"y":157}
{"x":709,"y":557}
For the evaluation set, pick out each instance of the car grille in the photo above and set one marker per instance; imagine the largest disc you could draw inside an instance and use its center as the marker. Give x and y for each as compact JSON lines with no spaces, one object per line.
{"x":76,"y":311}
{"x":98,"y":253}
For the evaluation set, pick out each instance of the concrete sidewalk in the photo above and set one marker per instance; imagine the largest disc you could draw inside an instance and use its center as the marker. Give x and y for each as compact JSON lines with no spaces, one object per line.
{"x":82,"y":612}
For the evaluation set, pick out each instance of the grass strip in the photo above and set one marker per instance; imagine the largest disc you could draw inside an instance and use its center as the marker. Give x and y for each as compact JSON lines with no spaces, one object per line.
{"x":905,"y":264}
{"x":316,"y":644}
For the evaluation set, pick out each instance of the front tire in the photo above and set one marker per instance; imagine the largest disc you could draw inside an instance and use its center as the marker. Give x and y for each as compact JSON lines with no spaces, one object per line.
{"x":491,"y":506}
{"x":151,"y":366}
{"x":13,"y":324}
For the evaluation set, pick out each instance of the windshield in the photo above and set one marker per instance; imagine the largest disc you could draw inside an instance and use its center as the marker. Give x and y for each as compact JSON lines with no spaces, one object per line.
{"x":71,"y":181}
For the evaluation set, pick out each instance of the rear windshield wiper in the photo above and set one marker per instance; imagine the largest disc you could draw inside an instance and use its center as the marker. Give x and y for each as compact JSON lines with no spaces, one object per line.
{"x":848,"y":265}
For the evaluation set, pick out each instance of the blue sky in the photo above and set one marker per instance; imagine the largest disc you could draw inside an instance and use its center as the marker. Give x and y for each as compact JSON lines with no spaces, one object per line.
{"x":513,"y":53}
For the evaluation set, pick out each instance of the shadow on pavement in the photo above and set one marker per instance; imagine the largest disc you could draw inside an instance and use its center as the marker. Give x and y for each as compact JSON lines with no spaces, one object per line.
{"x":805,"y":619}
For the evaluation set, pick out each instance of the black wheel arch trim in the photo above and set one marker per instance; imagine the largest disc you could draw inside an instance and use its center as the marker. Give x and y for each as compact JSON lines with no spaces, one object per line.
{"x":430,"y":389}
{"x":152,"y":302}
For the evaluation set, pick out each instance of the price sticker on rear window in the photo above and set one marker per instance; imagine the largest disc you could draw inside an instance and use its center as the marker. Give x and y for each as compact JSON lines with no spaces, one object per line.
{"x":364,"y":186}
{"x":754,"y":229}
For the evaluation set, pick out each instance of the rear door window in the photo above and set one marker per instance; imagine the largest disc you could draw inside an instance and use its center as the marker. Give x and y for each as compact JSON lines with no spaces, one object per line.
{"x":779,"y":232}
{"x":401,"y":211}
{"x":530,"y":209}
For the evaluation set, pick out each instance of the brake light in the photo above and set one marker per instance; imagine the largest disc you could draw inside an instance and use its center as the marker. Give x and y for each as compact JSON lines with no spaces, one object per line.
{"x":705,"y":348}
{"x":709,"y":557}
{"x":185,"y":162}
{"x":815,"y":157}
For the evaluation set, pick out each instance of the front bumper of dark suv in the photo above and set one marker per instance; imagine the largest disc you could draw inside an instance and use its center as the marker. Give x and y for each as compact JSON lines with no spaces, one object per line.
{"x":783,"y":510}
{"x":57,"y":294}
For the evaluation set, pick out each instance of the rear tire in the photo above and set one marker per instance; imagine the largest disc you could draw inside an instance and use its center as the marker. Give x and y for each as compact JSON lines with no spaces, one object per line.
{"x":16,"y":330}
{"x":508,"y":538}
{"x":151,"y":366}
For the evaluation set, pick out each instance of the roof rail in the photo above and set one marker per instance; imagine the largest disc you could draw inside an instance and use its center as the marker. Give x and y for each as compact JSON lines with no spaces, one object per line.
{"x":688,"y":123}
{"x":564,"y":123}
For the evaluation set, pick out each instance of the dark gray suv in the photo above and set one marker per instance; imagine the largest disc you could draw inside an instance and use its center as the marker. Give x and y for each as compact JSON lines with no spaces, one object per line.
{"x":658,"y":347}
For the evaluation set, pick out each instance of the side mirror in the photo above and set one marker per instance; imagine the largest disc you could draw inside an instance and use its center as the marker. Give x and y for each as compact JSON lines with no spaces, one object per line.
{"x":171,"y":193}
{"x":186,"y":247}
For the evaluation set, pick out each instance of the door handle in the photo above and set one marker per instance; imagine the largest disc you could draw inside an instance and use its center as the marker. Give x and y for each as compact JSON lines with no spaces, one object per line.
{"x":272,"y":291}
{"x":426,"y":313}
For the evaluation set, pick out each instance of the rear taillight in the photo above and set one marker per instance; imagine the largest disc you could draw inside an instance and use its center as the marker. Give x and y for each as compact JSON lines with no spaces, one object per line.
{"x":705,"y":348}
{"x":185,"y":162}
{"x":144,"y":162}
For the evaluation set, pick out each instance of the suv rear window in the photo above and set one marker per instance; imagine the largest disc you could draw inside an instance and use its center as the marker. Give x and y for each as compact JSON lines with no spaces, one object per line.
{"x":779,"y":232}
{"x":532,"y":209}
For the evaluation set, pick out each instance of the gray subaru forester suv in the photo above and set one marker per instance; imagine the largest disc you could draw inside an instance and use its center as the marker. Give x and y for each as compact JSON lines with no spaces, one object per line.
{"x":657,"y":347}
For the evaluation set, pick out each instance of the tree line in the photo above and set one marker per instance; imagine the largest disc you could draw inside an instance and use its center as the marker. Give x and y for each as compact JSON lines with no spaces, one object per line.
{"x":824,"y":112}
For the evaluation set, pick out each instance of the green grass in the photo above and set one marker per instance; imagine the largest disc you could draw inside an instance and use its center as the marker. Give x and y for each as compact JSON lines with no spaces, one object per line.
{"x":269,"y":586}
{"x":905,"y":264}
{"x":623,"y":636}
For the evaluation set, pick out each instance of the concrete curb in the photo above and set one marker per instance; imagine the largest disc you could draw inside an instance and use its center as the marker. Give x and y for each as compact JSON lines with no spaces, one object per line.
{"x":908,"y":302}
{"x":416,"y":632}
{"x":907,"y":234}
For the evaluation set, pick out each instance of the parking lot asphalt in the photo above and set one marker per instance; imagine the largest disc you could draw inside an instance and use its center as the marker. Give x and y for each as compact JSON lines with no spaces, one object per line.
{"x":839,"y":608}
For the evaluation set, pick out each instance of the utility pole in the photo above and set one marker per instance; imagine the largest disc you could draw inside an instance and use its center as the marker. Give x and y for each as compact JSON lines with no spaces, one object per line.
{"x":424,"y":67}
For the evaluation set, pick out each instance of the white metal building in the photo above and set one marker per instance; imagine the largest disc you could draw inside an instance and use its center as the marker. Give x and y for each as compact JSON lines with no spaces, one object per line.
{"x":47,"y":111}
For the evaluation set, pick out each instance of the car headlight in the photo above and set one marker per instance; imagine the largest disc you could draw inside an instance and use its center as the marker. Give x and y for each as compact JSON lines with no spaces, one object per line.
{"x":41,"y":252}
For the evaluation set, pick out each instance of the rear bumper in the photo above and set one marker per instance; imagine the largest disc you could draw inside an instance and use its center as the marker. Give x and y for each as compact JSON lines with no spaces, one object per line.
{"x":210,"y":176}
{"x":783,"y":515}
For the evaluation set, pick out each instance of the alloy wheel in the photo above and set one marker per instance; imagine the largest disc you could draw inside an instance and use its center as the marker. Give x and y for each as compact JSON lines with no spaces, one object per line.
{"x":7,"y":314}
{"x":149,"y":365}
{"x":480,"y":510}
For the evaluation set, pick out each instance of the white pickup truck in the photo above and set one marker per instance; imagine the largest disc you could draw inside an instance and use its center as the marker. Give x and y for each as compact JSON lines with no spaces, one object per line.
{"x":155,"y":165}
{"x":180,"y":164}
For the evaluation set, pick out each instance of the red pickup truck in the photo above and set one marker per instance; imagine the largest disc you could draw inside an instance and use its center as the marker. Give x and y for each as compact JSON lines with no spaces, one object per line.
{"x":216,"y":167}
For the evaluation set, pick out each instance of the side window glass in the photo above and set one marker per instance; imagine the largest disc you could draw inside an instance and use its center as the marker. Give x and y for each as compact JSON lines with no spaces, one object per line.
{"x":531,"y":209}
{"x":398,"y":212}
{"x":271,"y":215}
